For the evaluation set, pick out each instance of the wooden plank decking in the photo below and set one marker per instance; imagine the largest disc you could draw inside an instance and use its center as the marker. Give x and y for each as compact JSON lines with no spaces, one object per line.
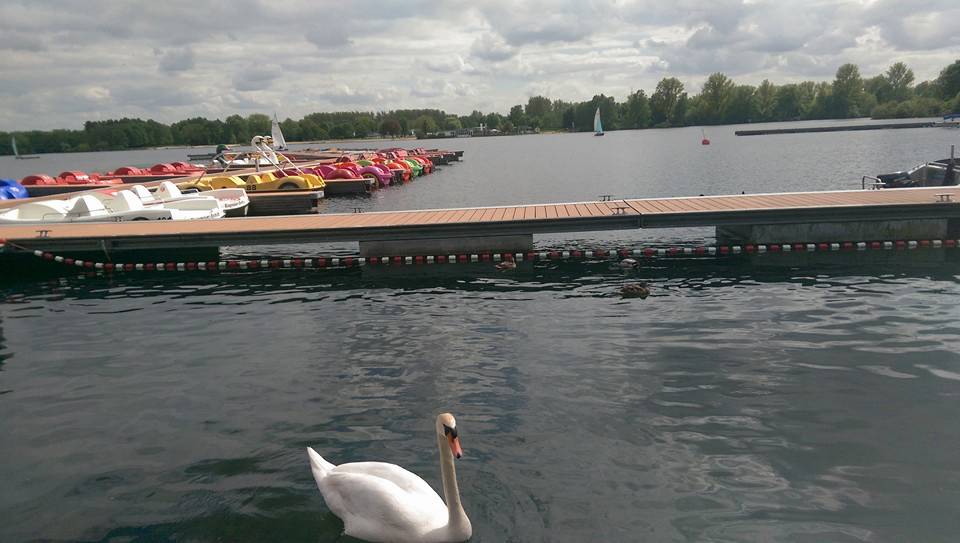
{"x":785,"y":208}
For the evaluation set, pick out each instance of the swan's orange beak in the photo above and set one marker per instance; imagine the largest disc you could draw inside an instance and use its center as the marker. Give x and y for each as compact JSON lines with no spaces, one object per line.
{"x":455,"y":446}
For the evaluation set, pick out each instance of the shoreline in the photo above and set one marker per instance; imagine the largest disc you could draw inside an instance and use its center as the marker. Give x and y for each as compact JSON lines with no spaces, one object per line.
{"x":543,"y":132}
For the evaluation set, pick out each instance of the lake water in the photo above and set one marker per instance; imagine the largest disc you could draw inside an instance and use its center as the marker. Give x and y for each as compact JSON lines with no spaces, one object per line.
{"x":740,"y":402}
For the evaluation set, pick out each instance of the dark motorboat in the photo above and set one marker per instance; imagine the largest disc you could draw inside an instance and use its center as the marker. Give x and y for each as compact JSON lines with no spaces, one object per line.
{"x":940,"y":173}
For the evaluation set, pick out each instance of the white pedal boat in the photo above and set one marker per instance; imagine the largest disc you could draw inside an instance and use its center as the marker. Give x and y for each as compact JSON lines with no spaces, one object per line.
{"x":116,"y":206}
{"x":234,"y":201}
{"x":128,"y":201}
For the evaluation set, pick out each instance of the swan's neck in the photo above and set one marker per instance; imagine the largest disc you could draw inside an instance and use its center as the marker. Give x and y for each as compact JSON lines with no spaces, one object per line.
{"x":457,"y":519}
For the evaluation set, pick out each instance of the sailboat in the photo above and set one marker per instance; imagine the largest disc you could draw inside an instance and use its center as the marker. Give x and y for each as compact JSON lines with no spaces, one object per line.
{"x":597,"y":126}
{"x":13,"y":143}
{"x":279,"y":143}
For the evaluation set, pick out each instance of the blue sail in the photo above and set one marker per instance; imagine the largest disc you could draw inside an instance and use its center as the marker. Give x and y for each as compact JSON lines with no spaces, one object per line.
{"x":597,"y":125}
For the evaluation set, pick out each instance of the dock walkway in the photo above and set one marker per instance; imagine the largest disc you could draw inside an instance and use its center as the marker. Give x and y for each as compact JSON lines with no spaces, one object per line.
{"x":781,"y":208}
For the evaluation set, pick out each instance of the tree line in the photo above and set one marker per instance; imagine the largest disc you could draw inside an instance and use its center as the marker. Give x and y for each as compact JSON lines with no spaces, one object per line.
{"x":891,"y":94}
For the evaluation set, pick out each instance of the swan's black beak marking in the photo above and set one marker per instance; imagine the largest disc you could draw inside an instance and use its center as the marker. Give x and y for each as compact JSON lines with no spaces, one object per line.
{"x":448,"y":431}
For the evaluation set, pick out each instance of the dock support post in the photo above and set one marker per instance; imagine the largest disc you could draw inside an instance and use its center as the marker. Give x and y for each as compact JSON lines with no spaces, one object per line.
{"x":447,"y":246}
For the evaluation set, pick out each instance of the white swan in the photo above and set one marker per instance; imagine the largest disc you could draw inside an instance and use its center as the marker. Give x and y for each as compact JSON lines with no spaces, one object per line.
{"x":383,"y":502}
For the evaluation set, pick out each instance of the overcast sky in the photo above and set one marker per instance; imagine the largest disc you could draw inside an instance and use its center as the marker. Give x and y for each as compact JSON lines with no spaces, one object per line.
{"x":63,"y":62}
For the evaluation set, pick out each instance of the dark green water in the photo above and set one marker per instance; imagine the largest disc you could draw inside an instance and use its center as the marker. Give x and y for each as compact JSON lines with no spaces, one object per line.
{"x":742,"y":401}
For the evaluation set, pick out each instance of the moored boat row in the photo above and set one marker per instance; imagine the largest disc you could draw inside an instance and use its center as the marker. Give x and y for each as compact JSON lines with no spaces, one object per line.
{"x":118,"y":194}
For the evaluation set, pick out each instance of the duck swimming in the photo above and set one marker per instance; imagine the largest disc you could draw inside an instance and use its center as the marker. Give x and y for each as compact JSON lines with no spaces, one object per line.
{"x":635,"y":290}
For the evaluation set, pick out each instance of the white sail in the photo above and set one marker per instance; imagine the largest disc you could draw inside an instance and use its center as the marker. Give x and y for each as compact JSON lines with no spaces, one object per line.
{"x":13,"y":143}
{"x":278,"y":142}
{"x":597,"y":126}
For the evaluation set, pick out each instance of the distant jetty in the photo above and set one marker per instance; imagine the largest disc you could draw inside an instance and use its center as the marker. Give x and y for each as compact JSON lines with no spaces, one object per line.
{"x":885,"y":126}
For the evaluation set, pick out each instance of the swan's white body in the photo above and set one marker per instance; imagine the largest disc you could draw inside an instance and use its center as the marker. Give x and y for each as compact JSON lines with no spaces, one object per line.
{"x":383,"y":502}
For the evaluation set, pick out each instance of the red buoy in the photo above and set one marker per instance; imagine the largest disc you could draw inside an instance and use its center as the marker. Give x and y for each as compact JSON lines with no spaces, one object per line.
{"x":704,"y":141}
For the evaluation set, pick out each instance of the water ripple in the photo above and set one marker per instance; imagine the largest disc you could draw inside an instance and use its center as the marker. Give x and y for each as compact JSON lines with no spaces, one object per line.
{"x":733,"y":404}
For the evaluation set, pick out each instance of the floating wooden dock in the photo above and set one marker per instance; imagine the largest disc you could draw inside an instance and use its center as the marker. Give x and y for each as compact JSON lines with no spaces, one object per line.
{"x":847,"y":128}
{"x":916,"y":204}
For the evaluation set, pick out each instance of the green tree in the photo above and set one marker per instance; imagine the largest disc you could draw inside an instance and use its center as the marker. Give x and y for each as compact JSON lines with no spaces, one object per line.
{"x":391,"y":127}
{"x":425,"y":124}
{"x":538,"y":106}
{"x":342,"y":131}
{"x":258,"y":124}
{"x":900,"y":78}
{"x":764,"y":101}
{"x":822,"y":101}
{"x":310,"y":130}
{"x":452,"y":123}
{"x":637,"y":111}
{"x":554,"y":121}
{"x":949,"y":81}
{"x":927,"y":89}
{"x":569,"y":119}
{"x":291,"y":130}
{"x":680,"y":111}
{"x":492,"y":121}
{"x":197,"y":131}
{"x":740,"y":107}
{"x":716,"y":91}
{"x":516,"y":115}
{"x":786,"y":103}
{"x":663,"y":102}
{"x":364,"y":126}
{"x":473,"y":120}
{"x":847,"y":91}
{"x":878,"y":87}
{"x":806,"y":94}
{"x":236,"y":130}
{"x":158,"y":134}
{"x":953,"y":106}
{"x":137,"y":136}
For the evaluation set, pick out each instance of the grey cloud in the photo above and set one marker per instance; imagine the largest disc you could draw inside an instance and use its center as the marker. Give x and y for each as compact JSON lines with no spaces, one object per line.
{"x":254,"y":78}
{"x":809,"y":66}
{"x":178,"y":60}
{"x":538,"y":21}
{"x":434,"y":88}
{"x":345,"y":95}
{"x":19,"y":41}
{"x":452,"y":66}
{"x":709,"y":38}
{"x":154,"y":96}
{"x":558,"y":29}
{"x":427,"y":90}
{"x":918,"y":25}
{"x":491,"y":47}
{"x":831,"y":43}
{"x":328,"y":36}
